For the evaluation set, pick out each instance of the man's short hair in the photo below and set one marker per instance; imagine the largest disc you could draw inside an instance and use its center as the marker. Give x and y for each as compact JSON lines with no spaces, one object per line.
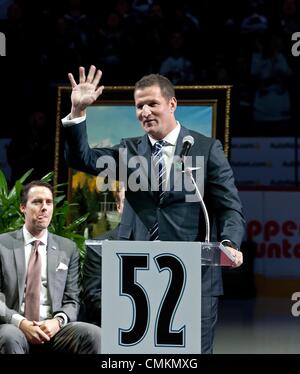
{"x":28,"y":186}
{"x":165,"y":85}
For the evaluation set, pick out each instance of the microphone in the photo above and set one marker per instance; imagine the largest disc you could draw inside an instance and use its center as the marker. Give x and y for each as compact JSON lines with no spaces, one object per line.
{"x":187,"y":143}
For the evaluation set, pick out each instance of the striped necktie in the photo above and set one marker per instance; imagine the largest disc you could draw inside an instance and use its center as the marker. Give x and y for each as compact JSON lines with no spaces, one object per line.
{"x":160,"y":172}
{"x":33,"y":284}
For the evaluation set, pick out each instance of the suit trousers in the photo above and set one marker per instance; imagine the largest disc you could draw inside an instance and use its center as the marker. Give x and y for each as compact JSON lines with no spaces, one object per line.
{"x":74,"y":338}
{"x":209,"y":316}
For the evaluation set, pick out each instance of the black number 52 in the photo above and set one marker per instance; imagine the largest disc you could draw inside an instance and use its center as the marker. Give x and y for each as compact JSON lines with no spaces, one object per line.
{"x":164,"y":335}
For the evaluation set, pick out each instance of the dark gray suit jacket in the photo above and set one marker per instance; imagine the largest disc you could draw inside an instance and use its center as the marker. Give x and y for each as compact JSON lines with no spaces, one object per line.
{"x":91,"y":278}
{"x":63,"y":285}
{"x":178,"y":220}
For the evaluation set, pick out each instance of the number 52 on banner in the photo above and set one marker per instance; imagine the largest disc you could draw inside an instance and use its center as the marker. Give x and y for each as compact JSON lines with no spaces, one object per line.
{"x":151,"y":297}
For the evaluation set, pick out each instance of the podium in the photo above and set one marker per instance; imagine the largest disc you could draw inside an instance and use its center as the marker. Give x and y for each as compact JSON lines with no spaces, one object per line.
{"x":151,"y":294}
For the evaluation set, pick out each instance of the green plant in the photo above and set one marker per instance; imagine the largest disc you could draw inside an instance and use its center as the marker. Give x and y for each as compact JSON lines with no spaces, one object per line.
{"x":61,"y":226}
{"x":12,"y":219}
{"x":10,"y":215}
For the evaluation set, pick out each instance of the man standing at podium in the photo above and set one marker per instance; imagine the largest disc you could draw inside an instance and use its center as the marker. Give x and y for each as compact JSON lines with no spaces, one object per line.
{"x":163,"y":213}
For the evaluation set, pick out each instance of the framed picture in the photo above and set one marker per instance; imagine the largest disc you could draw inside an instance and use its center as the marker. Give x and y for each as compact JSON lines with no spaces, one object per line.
{"x":205,"y":109}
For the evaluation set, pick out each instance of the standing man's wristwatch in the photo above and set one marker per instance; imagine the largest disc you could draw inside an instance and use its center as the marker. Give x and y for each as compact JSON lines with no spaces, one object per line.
{"x":228,"y":243}
{"x":61,"y":321}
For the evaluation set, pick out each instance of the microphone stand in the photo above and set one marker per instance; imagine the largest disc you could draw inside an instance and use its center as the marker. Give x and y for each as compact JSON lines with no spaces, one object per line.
{"x":209,"y":247}
{"x":189,"y":172}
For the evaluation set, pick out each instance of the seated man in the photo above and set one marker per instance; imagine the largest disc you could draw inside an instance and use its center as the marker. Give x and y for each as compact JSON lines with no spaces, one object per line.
{"x":39,"y":285}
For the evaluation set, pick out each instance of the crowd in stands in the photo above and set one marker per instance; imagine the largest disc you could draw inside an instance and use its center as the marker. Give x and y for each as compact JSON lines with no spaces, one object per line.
{"x":246,"y":44}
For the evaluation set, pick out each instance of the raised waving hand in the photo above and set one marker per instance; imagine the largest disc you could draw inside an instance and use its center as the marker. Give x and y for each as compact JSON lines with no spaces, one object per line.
{"x":86,"y":91}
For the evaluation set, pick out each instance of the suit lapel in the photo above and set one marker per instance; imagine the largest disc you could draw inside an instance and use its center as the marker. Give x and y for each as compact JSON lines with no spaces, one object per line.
{"x":19,"y":253}
{"x":175,"y":177}
{"x":144,"y":150}
{"x":52,"y":263}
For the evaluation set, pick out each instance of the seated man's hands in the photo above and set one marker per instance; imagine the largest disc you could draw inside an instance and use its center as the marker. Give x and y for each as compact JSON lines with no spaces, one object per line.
{"x":33,"y":332}
{"x":48,"y":326}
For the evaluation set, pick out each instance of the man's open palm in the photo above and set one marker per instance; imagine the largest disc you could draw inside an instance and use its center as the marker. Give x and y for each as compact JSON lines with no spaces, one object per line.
{"x":87,"y":91}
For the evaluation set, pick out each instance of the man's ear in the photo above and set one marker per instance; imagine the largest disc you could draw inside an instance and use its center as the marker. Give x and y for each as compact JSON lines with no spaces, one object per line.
{"x":173,"y":104}
{"x":22,"y":208}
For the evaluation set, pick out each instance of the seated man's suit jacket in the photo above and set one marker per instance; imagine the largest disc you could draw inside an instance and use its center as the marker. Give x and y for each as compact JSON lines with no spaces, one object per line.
{"x":62,"y":281}
{"x":178,"y":220}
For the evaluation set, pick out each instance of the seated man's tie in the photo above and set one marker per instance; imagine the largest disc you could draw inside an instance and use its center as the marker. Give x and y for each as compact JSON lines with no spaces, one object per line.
{"x":33,"y":284}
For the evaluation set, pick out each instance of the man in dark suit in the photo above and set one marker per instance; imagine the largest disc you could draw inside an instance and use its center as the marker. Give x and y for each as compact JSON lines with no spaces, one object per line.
{"x":91,"y":275}
{"x":39,"y":285}
{"x":170,"y":216}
